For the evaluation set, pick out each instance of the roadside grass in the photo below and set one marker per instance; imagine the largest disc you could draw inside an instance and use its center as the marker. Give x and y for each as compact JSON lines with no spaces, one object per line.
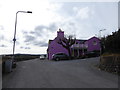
{"x":24,"y":58}
{"x":19,"y":57}
{"x":111,"y":54}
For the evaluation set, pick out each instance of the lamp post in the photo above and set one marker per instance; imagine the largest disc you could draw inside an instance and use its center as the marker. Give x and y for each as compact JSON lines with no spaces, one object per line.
{"x":14,"y":39}
{"x":100,"y":32}
{"x":101,"y":42}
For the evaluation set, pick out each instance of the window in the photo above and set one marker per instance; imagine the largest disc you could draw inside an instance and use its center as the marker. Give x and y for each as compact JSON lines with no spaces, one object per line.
{"x":94,"y":43}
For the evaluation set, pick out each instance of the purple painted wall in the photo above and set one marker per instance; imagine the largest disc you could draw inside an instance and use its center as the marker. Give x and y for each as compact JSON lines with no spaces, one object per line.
{"x":54,"y":47}
{"x":93,"y":44}
{"x":60,"y":34}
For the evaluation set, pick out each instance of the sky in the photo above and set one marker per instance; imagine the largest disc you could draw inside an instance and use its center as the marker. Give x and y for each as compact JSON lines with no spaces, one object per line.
{"x":78,"y":18}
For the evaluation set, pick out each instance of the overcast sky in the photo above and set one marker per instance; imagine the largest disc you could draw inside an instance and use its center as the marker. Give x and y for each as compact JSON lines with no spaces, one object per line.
{"x":82,"y":19}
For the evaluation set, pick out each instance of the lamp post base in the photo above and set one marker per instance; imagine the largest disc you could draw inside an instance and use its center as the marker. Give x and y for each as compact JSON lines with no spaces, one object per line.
{"x":14,"y":64}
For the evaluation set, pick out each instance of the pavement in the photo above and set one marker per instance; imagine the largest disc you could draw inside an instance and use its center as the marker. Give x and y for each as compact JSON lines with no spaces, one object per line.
{"x":81,"y":73}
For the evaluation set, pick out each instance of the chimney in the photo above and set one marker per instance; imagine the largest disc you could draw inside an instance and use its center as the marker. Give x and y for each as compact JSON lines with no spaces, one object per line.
{"x":60,"y":33}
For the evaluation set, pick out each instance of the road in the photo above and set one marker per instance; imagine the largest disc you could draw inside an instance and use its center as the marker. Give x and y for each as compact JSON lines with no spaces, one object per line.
{"x":80,"y":73}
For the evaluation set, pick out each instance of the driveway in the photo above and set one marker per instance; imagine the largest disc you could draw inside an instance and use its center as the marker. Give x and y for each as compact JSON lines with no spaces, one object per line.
{"x":80,"y":73}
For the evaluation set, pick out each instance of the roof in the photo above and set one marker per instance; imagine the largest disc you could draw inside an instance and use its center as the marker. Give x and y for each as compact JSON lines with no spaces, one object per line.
{"x":81,"y":40}
{"x":50,"y":41}
{"x":93,"y":37}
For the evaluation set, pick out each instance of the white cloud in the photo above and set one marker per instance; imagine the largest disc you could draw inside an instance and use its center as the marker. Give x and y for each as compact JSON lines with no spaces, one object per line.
{"x":83,"y":13}
{"x":75,"y":9}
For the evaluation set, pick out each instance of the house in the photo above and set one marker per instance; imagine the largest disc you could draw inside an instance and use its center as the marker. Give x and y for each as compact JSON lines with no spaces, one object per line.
{"x":81,"y":47}
{"x":54,"y":47}
{"x":93,"y":44}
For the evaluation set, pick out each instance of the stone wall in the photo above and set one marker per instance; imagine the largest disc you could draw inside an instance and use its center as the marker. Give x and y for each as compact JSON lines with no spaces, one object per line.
{"x":110,"y":63}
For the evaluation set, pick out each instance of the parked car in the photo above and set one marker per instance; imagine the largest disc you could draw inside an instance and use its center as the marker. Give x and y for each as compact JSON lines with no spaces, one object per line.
{"x":91,"y":54}
{"x":42,"y":57}
{"x":60,"y":56}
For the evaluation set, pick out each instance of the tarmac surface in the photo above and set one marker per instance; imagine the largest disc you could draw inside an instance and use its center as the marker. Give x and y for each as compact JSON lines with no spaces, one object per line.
{"x":81,"y":73}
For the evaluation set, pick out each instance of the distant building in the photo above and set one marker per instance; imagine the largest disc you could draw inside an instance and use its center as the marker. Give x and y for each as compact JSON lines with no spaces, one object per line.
{"x":81,"y":47}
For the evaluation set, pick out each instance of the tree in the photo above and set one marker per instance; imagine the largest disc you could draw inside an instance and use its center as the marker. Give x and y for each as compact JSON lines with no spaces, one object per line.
{"x":67,"y":42}
{"x":112,"y":42}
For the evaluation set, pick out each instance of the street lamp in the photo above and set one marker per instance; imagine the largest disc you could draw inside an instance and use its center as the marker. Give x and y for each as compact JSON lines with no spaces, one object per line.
{"x":101,"y":31}
{"x":101,"y":42}
{"x":14,"y":39}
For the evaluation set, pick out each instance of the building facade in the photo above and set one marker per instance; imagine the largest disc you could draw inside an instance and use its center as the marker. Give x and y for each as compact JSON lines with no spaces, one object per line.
{"x":54,"y":47}
{"x":81,"y":47}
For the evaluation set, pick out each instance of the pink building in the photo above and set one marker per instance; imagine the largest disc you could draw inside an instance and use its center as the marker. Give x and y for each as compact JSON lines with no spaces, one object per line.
{"x":81,"y":47}
{"x":77,"y":50}
{"x":54,"y":47}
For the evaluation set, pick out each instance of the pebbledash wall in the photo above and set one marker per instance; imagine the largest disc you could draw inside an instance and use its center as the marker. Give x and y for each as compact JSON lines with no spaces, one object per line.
{"x":79,"y":48}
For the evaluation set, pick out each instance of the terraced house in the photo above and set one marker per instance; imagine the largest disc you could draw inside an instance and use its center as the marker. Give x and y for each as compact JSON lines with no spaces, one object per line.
{"x":79,"y":49}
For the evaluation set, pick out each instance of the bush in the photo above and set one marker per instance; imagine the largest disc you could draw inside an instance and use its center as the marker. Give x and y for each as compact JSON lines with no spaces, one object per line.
{"x":111,"y":43}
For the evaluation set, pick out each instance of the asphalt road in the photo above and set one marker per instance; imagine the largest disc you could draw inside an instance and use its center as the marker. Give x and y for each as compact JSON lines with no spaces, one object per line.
{"x":59,"y":74}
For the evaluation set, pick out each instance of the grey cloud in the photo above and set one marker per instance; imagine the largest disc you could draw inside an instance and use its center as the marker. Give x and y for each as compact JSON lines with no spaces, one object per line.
{"x":32,"y":32}
{"x":39,"y":30}
{"x":40,"y":44}
{"x":3,"y":45}
{"x":27,"y":48}
{"x":36,"y":43}
{"x":71,"y":23}
{"x":29,"y":38}
{"x":41,"y":27}
{"x":44,"y":44}
{"x":27,"y":43}
{"x":51,"y":27}
{"x":24,"y":32}
{"x":2,"y":37}
{"x":1,"y":27}
{"x":22,"y":47}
